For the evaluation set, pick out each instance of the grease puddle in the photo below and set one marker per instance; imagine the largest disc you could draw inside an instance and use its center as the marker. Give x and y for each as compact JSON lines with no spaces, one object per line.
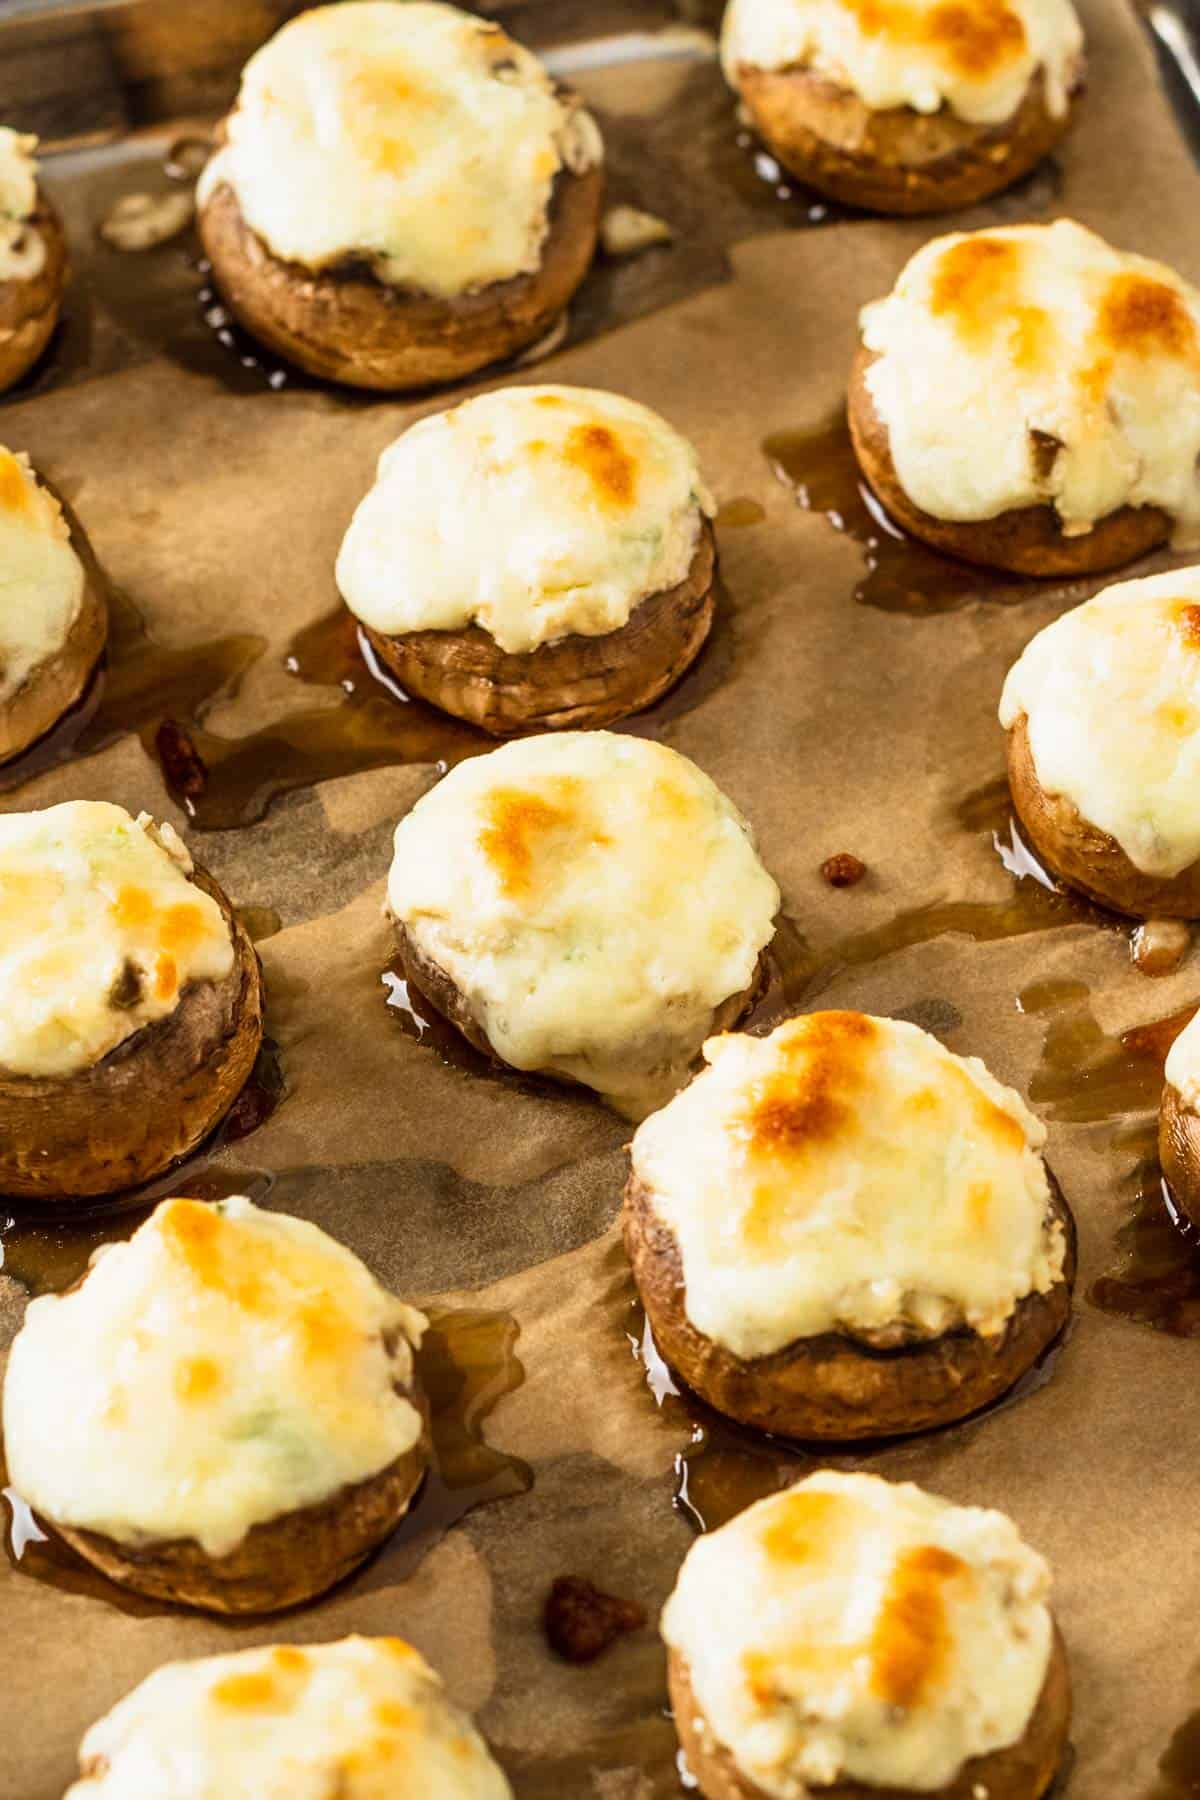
{"x":900,"y":573}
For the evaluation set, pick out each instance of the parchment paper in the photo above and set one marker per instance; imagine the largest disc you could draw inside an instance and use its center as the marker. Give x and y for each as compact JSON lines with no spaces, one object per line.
{"x":836,"y":727}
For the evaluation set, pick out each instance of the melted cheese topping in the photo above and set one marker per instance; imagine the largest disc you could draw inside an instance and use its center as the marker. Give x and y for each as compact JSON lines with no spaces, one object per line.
{"x":594,"y":896}
{"x":853,"y":1629}
{"x":1182,"y":1070}
{"x":362,"y":1719}
{"x":225,"y":1366}
{"x":1111,"y":696}
{"x":41,"y":577}
{"x":100,"y":933}
{"x":1036,"y":365}
{"x":415,"y":137}
{"x":976,"y":57}
{"x":580,"y":504}
{"x":22,"y":252}
{"x":849,"y":1174}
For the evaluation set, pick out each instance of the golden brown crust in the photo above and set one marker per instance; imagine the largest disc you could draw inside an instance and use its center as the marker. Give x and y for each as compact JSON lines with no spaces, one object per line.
{"x":1028,"y":540}
{"x":280,"y":1563}
{"x":446,"y":998}
{"x":1086,"y":857}
{"x":575,"y":682}
{"x":834,"y":1387}
{"x":1022,"y":1771}
{"x":148,"y":1102}
{"x":54,"y":686}
{"x":29,"y":307}
{"x":345,"y":325}
{"x":896,"y":160}
{"x":1179,"y":1151}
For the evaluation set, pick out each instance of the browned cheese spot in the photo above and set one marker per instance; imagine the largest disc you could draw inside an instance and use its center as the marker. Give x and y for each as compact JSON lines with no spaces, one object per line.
{"x":520,"y":829}
{"x":977,"y":288}
{"x":912,"y":1642}
{"x":1144,"y":317}
{"x":599,"y":453}
{"x":975,"y":38}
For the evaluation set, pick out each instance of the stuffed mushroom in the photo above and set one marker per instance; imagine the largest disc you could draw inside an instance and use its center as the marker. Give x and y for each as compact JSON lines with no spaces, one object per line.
{"x":536,"y":557}
{"x":357,"y":1719}
{"x":237,"y":1416}
{"x":33,"y":259}
{"x":863,"y":1639}
{"x":844,"y":1231}
{"x":585,"y":906}
{"x":130,"y":1002}
{"x":401,"y":195}
{"x":1102,"y":711}
{"x":906,"y":108}
{"x":1028,"y":398}
{"x":54,"y":622}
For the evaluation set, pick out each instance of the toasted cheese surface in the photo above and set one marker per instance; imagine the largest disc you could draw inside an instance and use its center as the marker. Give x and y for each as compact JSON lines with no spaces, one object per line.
{"x":1036,"y":365}
{"x":414,"y":137}
{"x":594,"y":897}
{"x":850,"y":1174}
{"x":225,"y":1366}
{"x":101,"y":931}
{"x":360,"y":1719}
{"x":1111,"y":697}
{"x":22,"y":252}
{"x":41,"y":577}
{"x":533,"y":512}
{"x":976,"y":57}
{"x":853,"y":1628}
{"x":1182,"y":1070}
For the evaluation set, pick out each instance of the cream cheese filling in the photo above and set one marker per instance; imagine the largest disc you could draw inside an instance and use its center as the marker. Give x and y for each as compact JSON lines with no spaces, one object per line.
{"x":856,"y":1629}
{"x":977,"y":60}
{"x":1035,"y":365}
{"x":22,"y":252}
{"x":414,"y":137}
{"x":41,"y":577}
{"x":223,"y":1367}
{"x":850,"y":1174}
{"x":594,"y":897}
{"x":101,"y":932}
{"x":1110,"y":693}
{"x":534,"y":512}
{"x":360,"y":1719}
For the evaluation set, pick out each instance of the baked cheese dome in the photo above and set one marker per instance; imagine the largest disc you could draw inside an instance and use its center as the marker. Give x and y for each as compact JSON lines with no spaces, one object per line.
{"x":413,"y":137}
{"x":101,"y":933}
{"x":977,"y":59}
{"x":843,"y":1187}
{"x":849,"y":1174}
{"x":225,"y":1366}
{"x":592,"y":900}
{"x":854,"y":1630}
{"x":581,"y":504}
{"x":1103,"y":711}
{"x":44,"y":579}
{"x":22,"y":248}
{"x":362,"y":1719}
{"x":1034,"y":367}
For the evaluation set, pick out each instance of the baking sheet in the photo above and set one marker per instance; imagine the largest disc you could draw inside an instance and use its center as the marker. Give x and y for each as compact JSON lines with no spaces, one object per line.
{"x":215,"y":506}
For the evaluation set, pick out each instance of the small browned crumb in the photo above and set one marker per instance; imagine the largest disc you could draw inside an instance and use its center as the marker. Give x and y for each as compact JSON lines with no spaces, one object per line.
{"x":1160,"y":945}
{"x":182,"y":763}
{"x":581,"y":1621}
{"x":843,"y":870}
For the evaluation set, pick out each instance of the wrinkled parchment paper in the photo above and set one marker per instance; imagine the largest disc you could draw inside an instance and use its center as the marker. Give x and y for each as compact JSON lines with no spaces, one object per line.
{"x":836,"y":727}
